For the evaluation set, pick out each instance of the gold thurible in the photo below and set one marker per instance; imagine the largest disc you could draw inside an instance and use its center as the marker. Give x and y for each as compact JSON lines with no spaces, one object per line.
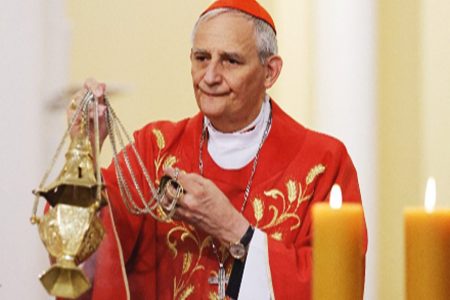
{"x":71,"y":230}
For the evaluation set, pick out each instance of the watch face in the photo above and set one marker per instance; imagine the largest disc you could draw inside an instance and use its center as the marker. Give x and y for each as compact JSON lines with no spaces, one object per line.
{"x":237,"y":250}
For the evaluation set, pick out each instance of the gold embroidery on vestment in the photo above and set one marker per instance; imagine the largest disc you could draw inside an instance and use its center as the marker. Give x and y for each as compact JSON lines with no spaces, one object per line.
{"x":292,"y":190}
{"x":170,"y":161}
{"x":164,"y":160}
{"x":181,"y":287}
{"x":319,"y":169}
{"x":277,"y":236}
{"x":296,"y":195}
{"x":213,"y":296}
{"x":258,"y":208}
{"x":291,"y":199}
{"x":186,"y":293}
{"x":189,"y":266}
{"x":187,"y":260}
{"x":160,"y":142}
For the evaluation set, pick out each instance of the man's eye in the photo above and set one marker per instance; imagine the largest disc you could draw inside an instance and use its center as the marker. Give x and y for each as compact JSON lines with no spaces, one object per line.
{"x":232,"y":61}
{"x":200,"y":58}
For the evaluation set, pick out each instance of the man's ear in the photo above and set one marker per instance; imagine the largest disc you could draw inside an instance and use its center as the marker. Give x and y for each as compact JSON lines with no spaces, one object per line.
{"x":273,"y":67}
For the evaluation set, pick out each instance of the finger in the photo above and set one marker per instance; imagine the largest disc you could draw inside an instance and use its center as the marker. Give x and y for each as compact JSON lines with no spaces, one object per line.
{"x":171,"y":172}
{"x":76,"y":98}
{"x":90,"y":83}
{"x":177,"y":175}
{"x":194,"y":184}
{"x":183,"y":214}
{"x":167,"y":203}
{"x":73,"y":105}
{"x":185,"y":200}
{"x":173,"y":190}
{"x":184,"y":178}
{"x":100,"y":90}
{"x":101,"y":108}
{"x":97,"y":88}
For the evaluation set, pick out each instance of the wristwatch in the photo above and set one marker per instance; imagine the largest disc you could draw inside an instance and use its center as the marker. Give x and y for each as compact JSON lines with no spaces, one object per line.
{"x":238,"y":250}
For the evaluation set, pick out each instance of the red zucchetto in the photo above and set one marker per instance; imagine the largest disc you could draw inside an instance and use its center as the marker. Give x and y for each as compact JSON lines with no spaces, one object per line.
{"x":250,"y":7}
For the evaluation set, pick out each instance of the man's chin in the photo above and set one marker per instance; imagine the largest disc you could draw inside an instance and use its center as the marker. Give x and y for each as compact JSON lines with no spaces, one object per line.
{"x":211,"y":113}
{"x":211,"y":110}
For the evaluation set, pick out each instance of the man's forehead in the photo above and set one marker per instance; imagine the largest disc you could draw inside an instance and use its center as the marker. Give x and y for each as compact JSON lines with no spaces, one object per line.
{"x":228,"y":26}
{"x":226,"y":33}
{"x":223,"y":47}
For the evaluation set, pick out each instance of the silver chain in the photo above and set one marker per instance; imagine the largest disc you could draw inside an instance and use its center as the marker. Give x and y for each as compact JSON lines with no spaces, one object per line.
{"x":255,"y":160}
{"x":116,"y":129}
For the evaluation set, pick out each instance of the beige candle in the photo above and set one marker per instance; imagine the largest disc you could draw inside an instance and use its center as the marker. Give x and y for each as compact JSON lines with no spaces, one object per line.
{"x":338,"y":254}
{"x":427,"y":244}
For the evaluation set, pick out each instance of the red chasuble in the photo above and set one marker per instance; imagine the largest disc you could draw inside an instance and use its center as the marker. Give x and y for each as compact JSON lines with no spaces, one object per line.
{"x":140,"y":258}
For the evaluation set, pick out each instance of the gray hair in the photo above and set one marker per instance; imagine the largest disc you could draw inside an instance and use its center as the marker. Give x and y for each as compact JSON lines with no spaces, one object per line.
{"x":266,"y":39}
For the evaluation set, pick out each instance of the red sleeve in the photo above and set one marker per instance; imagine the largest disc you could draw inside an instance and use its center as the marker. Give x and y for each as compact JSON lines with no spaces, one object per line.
{"x":291,"y":264}
{"x":117,"y":273}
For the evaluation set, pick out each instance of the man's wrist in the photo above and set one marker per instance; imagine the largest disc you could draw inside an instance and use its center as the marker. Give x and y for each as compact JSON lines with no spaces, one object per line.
{"x":239,"y":226}
{"x":238,"y":249}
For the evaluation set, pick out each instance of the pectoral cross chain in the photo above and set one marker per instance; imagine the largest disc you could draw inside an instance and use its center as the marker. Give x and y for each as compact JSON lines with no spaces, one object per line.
{"x":221,"y":280}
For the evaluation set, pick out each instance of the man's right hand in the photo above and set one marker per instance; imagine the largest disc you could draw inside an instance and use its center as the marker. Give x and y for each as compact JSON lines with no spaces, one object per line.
{"x":98,"y":89}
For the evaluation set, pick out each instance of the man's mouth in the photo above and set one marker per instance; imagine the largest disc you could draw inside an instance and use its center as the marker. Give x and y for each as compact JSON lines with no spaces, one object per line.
{"x":214,"y":94}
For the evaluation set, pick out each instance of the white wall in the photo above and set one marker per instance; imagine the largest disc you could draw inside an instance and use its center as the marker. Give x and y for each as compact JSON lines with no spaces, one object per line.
{"x":435,"y":97}
{"x":345,"y":97}
{"x":294,"y":30}
{"x":30,"y":69}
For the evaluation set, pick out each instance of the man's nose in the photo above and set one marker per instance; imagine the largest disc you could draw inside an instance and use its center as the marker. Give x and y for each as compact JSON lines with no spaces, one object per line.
{"x":213,"y":73}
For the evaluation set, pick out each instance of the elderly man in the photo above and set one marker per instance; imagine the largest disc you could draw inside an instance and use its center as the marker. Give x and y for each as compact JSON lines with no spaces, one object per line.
{"x":242,"y":227}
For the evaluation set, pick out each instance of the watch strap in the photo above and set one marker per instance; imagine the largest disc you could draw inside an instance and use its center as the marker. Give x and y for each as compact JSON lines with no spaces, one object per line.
{"x":247,"y":237}
{"x":234,"y":283}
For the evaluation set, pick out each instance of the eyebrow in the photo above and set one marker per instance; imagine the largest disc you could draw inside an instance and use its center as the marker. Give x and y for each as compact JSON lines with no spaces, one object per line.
{"x":199,"y":51}
{"x":231,"y":55}
{"x":223,"y":55}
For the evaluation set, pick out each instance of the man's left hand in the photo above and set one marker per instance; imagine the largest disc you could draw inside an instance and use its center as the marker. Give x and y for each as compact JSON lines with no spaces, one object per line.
{"x":206,"y":207}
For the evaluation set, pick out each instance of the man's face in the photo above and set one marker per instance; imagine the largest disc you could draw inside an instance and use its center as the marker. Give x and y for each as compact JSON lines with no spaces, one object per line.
{"x":227,"y":74}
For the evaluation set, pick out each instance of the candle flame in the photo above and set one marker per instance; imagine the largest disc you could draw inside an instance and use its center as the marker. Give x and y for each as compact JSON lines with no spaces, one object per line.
{"x":336,"y":197}
{"x":430,"y":195}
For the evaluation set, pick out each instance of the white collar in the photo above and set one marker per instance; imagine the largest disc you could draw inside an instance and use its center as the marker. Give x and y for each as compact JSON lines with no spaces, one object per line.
{"x":235,"y":150}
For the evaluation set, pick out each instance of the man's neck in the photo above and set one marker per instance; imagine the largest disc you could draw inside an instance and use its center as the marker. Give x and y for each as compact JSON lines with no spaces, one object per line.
{"x":234,"y":150}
